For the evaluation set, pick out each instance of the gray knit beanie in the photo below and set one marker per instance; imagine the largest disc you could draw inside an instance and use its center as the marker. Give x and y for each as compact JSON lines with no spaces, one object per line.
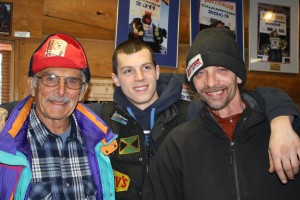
{"x":215,"y":47}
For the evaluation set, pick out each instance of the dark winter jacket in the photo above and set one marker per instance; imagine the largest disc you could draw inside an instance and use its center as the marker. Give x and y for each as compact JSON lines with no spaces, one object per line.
{"x":130,"y":162}
{"x":198,"y":161}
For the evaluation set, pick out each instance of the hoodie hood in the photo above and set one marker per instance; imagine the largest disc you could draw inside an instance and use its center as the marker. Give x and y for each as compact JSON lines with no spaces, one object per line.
{"x":169,"y":90}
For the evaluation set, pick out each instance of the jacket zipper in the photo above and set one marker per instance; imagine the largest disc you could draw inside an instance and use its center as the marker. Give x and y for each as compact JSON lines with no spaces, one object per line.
{"x":233,"y":162}
{"x":235,"y":171}
{"x":147,"y":145}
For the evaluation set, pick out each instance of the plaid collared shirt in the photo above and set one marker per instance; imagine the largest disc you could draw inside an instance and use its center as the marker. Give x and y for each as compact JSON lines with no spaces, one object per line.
{"x":60,"y":171}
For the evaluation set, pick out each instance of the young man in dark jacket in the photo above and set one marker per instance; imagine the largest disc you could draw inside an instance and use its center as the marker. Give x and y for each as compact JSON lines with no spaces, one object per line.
{"x":222,"y":153}
{"x":147,"y":107}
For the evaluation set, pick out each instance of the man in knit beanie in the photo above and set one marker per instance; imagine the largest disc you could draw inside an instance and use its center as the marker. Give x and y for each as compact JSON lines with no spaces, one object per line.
{"x":215,"y":47}
{"x":223,"y":153}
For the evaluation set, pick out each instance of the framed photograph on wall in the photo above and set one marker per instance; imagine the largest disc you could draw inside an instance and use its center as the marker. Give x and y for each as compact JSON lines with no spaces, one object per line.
{"x":5,"y":18}
{"x":154,"y":22}
{"x":217,"y":13}
{"x":100,"y":89}
{"x":273,"y":36}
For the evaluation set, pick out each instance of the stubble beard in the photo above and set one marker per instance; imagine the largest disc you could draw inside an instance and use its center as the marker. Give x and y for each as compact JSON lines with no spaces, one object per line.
{"x":214,"y":103}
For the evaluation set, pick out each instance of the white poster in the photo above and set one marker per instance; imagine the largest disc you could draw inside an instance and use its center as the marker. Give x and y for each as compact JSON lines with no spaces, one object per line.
{"x":140,"y":7}
{"x":270,"y":21}
{"x":212,"y":11}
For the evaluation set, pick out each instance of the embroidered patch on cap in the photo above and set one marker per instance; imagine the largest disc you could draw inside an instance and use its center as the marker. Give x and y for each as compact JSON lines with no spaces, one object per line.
{"x":56,"y":47}
{"x":193,"y":66}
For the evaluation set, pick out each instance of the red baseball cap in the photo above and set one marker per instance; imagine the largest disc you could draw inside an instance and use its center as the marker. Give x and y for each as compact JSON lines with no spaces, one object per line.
{"x":59,"y":50}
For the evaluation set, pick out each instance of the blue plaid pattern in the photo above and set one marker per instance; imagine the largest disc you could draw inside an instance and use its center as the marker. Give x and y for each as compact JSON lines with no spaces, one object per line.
{"x":60,"y":171}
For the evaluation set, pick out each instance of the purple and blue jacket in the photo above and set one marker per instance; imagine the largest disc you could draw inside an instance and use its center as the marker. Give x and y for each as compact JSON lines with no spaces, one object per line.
{"x":15,"y":153}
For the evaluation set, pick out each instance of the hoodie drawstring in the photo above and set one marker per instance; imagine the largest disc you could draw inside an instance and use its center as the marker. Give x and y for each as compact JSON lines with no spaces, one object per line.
{"x":152,"y":116}
{"x":146,"y":133}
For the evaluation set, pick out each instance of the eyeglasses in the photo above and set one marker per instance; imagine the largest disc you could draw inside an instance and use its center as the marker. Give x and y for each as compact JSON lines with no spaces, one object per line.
{"x":52,"y":80}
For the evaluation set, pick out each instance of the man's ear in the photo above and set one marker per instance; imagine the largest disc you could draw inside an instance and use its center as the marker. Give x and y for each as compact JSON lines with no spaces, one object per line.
{"x":115,"y":79}
{"x":83,"y":91}
{"x":157,"y":72}
{"x":31,"y":86}
{"x":239,"y":81}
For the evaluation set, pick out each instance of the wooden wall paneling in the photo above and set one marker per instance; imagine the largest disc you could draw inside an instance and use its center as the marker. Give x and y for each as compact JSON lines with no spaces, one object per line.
{"x":26,"y":49}
{"x":246,"y":25}
{"x":184,"y":22}
{"x":76,"y":29}
{"x":92,"y":19}
{"x":27,"y":16}
{"x":6,"y":74}
{"x":99,"y":54}
{"x":15,"y":68}
{"x":286,"y":82}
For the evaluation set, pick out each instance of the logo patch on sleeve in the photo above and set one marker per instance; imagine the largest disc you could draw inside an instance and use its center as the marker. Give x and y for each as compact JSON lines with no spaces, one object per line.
{"x":119,"y":118}
{"x":122,"y":181}
{"x":129,"y":145}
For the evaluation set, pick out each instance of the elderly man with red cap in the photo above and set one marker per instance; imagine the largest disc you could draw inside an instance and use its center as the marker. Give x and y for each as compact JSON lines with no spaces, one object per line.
{"x":53,"y":147}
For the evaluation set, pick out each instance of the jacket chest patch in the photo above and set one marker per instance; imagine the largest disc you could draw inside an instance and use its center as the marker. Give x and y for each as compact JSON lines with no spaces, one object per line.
{"x":119,"y":118}
{"x":122,"y":181}
{"x":129,"y":145}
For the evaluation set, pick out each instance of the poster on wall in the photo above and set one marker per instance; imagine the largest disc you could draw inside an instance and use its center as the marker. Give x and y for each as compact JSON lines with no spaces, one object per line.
{"x":5,"y":18}
{"x":153,"y":21}
{"x":274,"y":40}
{"x":216,"y":14}
{"x":100,"y":89}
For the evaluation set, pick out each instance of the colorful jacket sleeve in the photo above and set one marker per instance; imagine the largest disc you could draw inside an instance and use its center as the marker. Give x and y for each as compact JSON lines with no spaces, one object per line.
{"x":15,"y":172}
{"x":102,"y":141}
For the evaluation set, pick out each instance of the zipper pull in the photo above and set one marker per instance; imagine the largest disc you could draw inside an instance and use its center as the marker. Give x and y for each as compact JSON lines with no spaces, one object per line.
{"x":231,"y":150}
{"x":147,"y":143}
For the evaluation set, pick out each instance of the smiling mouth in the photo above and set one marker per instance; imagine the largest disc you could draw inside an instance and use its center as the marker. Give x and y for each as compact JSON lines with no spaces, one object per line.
{"x":214,"y":93}
{"x":140,"y":88}
{"x":58,"y":102}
